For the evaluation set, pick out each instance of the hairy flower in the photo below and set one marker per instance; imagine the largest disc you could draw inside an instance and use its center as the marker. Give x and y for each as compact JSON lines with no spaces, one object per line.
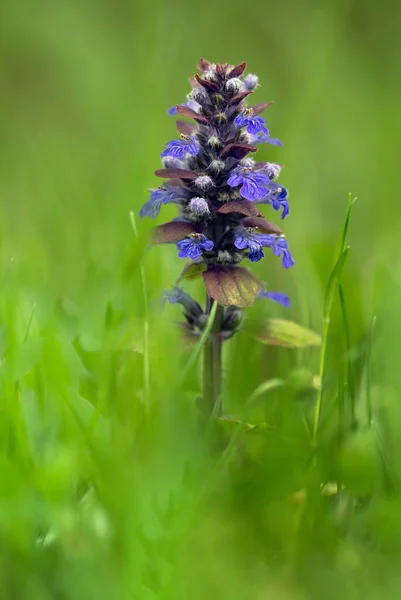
{"x":250,"y":82}
{"x":204,"y":182}
{"x":199,"y":207}
{"x":179,"y":148}
{"x":254,"y":125}
{"x":272,"y":170}
{"x":253,"y":184}
{"x":192,"y":246}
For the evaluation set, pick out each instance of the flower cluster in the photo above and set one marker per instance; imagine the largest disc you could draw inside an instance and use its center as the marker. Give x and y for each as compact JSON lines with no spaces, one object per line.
{"x":219,"y":189}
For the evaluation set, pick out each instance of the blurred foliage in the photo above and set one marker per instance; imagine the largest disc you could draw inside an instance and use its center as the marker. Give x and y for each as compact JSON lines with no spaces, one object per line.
{"x":109,"y":488}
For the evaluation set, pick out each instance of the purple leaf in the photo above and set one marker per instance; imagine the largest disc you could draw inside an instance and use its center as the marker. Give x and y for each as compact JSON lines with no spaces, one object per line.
{"x":232,"y":286}
{"x":174,"y":231}
{"x":237,"y":71}
{"x":203,"y":65}
{"x":211,"y":86}
{"x":262,"y":224}
{"x":259,"y":108}
{"x":243,"y":207}
{"x":175,"y":174}
{"x":237,"y":150}
{"x":185,"y":128}
{"x":185,"y":111}
{"x":239,"y":97}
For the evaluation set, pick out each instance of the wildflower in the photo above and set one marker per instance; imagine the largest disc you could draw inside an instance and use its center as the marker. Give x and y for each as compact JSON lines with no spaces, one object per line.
{"x":179,"y":148}
{"x":276,"y":297}
{"x":272,"y":170}
{"x":249,"y":238}
{"x":254,"y":125}
{"x":277,"y":197}
{"x":158,"y":197}
{"x":253,"y":184}
{"x":264,"y":139}
{"x":192,"y":246}
{"x":214,"y":181}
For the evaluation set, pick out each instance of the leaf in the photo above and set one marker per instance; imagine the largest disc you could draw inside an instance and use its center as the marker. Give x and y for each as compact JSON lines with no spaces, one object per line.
{"x":279,"y":332}
{"x":29,"y":354}
{"x":174,"y":231}
{"x":175,"y":174}
{"x":232,"y":421}
{"x":359,"y":463}
{"x":237,"y":71}
{"x":262,"y":225}
{"x":185,"y":128}
{"x":237,"y":150}
{"x":185,"y":111}
{"x":203,"y":65}
{"x":243,"y":207}
{"x":192,"y":270}
{"x":239,"y":97}
{"x":232,"y":286}
{"x":259,"y":108}
{"x":211,"y":86}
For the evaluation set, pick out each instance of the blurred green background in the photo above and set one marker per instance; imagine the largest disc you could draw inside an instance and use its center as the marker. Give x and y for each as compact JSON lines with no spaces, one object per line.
{"x":107,"y":486}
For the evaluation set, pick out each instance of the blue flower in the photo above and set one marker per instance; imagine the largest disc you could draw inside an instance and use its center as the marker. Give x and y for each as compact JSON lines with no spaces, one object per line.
{"x":276,"y":297}
{"x":249,"y":238}
{"x":157,"y":198}
{"x":264,"y":139}
{"x":254,"y":125}
{"x":253,"y":183}
{"x":179,"y":148}
{"x":277,"y":197}
{"x":192,"y":246}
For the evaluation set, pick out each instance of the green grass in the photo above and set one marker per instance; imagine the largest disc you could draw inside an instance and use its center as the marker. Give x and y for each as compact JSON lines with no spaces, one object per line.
{"x":109,"y":488}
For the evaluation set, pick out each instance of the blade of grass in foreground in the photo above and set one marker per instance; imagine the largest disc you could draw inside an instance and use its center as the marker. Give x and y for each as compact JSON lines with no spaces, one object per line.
{"x":146,"y":356}
{"x":328,"y":305}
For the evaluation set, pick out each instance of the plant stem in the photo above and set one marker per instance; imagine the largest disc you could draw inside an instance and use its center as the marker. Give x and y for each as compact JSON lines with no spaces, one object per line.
{"x":212,"y":362}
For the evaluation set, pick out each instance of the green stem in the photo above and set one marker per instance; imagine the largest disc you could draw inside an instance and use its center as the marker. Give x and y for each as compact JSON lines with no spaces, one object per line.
{"x":212,"y":363}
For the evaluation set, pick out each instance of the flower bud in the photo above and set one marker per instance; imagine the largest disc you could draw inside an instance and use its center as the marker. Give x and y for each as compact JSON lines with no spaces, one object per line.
{"x":250,"y":82}
{"x":200,"y":95}
{"x":234,"y":84}
{"x":214,"y":141}
{"x":170,"y":162}
{"x":204,"y":182}
{"x":217,"y":165}
{"x":198,"y":207}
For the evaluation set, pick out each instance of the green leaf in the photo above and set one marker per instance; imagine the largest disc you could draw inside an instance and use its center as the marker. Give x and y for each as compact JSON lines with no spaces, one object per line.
{"x":279,"y":332}
{"x":359,"y":463}
{"x":232,"y":286}
{"x":192,"y":270}
{"x":29,"y":354}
